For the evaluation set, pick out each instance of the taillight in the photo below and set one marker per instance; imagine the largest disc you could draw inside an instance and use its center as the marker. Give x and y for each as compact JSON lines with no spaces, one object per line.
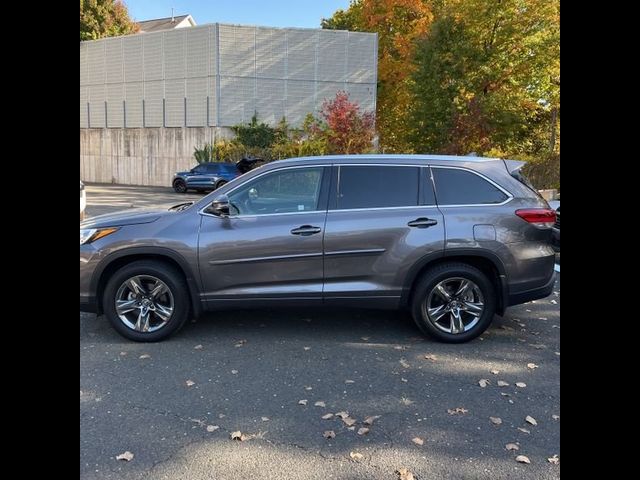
{"x":540,"y":217}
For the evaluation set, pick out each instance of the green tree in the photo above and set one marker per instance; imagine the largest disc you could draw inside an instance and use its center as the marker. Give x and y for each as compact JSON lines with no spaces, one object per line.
{"x":487,"y":79}
{"x":105,"y":18}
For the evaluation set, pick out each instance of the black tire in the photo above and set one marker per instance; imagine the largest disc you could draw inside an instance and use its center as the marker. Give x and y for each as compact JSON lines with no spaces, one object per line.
{"x":176,"y":284}
{"x":180,"y":186}
{"x":220,"y":183}
{"x":443,"y":272}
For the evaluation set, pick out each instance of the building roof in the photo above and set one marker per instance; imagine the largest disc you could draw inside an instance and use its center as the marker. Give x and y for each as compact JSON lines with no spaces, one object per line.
{"x":160,"y":24}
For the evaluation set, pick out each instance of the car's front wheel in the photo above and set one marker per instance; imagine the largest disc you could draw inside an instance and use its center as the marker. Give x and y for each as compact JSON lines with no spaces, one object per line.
{"x":220,"y":183}
{"x":453,"y":302}
{"x":146,"y":301}
{"x":180,"y":186}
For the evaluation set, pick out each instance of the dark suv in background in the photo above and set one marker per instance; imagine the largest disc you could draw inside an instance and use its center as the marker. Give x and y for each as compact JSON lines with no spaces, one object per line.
{"x":211,"y":175}
{"x":453,"y":239}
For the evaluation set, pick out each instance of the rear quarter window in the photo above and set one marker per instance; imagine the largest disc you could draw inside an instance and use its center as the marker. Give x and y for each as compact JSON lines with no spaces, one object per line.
{"x":461,"y":187}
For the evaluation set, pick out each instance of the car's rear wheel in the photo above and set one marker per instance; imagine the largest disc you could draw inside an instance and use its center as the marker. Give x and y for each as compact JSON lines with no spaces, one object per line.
{"x":180,"y":186}
{"x":453,"y":302}
{"x":146,"y":301}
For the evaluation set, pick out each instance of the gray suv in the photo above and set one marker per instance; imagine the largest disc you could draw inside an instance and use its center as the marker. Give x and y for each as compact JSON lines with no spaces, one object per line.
{"x":453,"y":239}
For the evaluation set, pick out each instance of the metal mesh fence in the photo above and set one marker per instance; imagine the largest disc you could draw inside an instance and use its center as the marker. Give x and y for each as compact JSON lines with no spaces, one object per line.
{"x":220,"y":75}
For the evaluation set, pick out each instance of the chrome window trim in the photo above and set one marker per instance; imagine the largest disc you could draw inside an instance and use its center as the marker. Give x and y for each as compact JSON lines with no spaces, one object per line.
{"x":506,"y":192}
{"x":273,"y":170}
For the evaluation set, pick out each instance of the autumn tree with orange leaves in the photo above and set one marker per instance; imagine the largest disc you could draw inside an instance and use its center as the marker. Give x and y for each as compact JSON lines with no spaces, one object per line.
{"x":398,"y":23}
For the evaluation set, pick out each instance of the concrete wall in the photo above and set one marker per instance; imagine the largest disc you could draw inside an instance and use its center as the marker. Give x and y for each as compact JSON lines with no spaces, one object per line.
{"x":141,"y":156}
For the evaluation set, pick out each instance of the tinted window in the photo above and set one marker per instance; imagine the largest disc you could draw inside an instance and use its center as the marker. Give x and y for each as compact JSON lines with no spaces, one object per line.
{"x":459,"y":187}
{"x":284,"y":191}
{"x":223,"y":168}
{"x":200,"y":169}
{"x":377,"y":186}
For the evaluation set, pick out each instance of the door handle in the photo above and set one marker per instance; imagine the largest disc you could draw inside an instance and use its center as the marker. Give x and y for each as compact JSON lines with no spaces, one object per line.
{"x":306,"y":230}
{"x":423,"y":222}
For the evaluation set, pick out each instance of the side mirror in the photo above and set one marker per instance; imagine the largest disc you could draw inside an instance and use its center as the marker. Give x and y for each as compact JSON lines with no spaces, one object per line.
{"x":220,"y":206}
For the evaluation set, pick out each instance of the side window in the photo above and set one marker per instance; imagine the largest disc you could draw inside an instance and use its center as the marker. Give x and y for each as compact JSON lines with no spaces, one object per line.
{"x":213,"y":168}
{"x":200,"y":169}
{"x":460,"y":187}
{"x":377,"y":186}
{"x":283,"y":191}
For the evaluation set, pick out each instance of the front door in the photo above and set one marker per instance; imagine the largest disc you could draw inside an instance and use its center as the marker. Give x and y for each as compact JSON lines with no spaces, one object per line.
{"x":270,"y":247}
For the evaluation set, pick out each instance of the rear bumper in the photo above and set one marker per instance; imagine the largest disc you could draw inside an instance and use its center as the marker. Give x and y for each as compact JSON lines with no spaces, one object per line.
{"x":532,"y":294}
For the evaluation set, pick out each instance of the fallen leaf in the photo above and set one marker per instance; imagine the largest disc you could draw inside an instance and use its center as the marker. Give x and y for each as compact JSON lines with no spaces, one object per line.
{"x":349,"y":421}
{"x":126,"y":456}
{"x":240,"y":343}
{"x":505,"y":394}
{"x":529,"y":419}
{"x":554,"y":302}
{"x":457,"y":410}
{"x":264,"y":419}
{"x":555,"y":417}
{"x":240,"y":436}
{"x":329,"y":434}
{"x":349,"y":381}
{"x":543,"y":318}
{"x":198,"y":347}
{"x":404,"y":474}
{"x":371,"y":419}
{"x":555,"y":459}
{"x":351,"y":428}
{"x":399,"y":347}
{"x":495,"y":372}
{"x":308,"y":388}
{"x":406,"y":401}
{"x":364,"y":339}
{"x":404,"y":380}
{"x":537,"y":346}
{"x":144,"y":356}
{"x":524,"y":430}
{"x":319,"y":404}
{"x":532,"y":365}
{"x":502,"y":383}
{"x":418,"y":441}
{"x":496,"y":420}
{"x":302,"y":402}
{"x":431,"y":356}
{"x":306,"y":348}
{"x":123,"y":353}
{"x":234,"y":372}
{"x":363,"y":431}
{"x":506,"y":327}
{"x":222,"y":415}
{"x":521,"y":384}
{"x":522,"y":459}
{"x":404,"y":363}
{"x":342,"y":415}
{"x":190,"y":383}
{"x":483,"y":383}
{"x":512,"y":446}
{"x":356,"y":456}
{"x":212,"y":428}
{"x":557,"y":353}
{"x":555,"y":326}
{"x":328,"y":416}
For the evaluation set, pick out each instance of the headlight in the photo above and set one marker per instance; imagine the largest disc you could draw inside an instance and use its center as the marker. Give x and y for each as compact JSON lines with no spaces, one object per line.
{"x":88,"y":235}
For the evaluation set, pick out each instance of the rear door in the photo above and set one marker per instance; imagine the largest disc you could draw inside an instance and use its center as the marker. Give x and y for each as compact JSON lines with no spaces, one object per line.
{"x":382,"y":219}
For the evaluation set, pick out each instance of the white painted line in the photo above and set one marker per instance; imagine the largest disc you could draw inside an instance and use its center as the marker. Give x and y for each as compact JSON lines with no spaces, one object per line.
{"x":556,"y":267}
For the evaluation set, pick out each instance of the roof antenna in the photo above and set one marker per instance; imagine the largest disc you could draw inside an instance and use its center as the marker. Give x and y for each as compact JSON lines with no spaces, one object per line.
{"x":173,"y":20}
